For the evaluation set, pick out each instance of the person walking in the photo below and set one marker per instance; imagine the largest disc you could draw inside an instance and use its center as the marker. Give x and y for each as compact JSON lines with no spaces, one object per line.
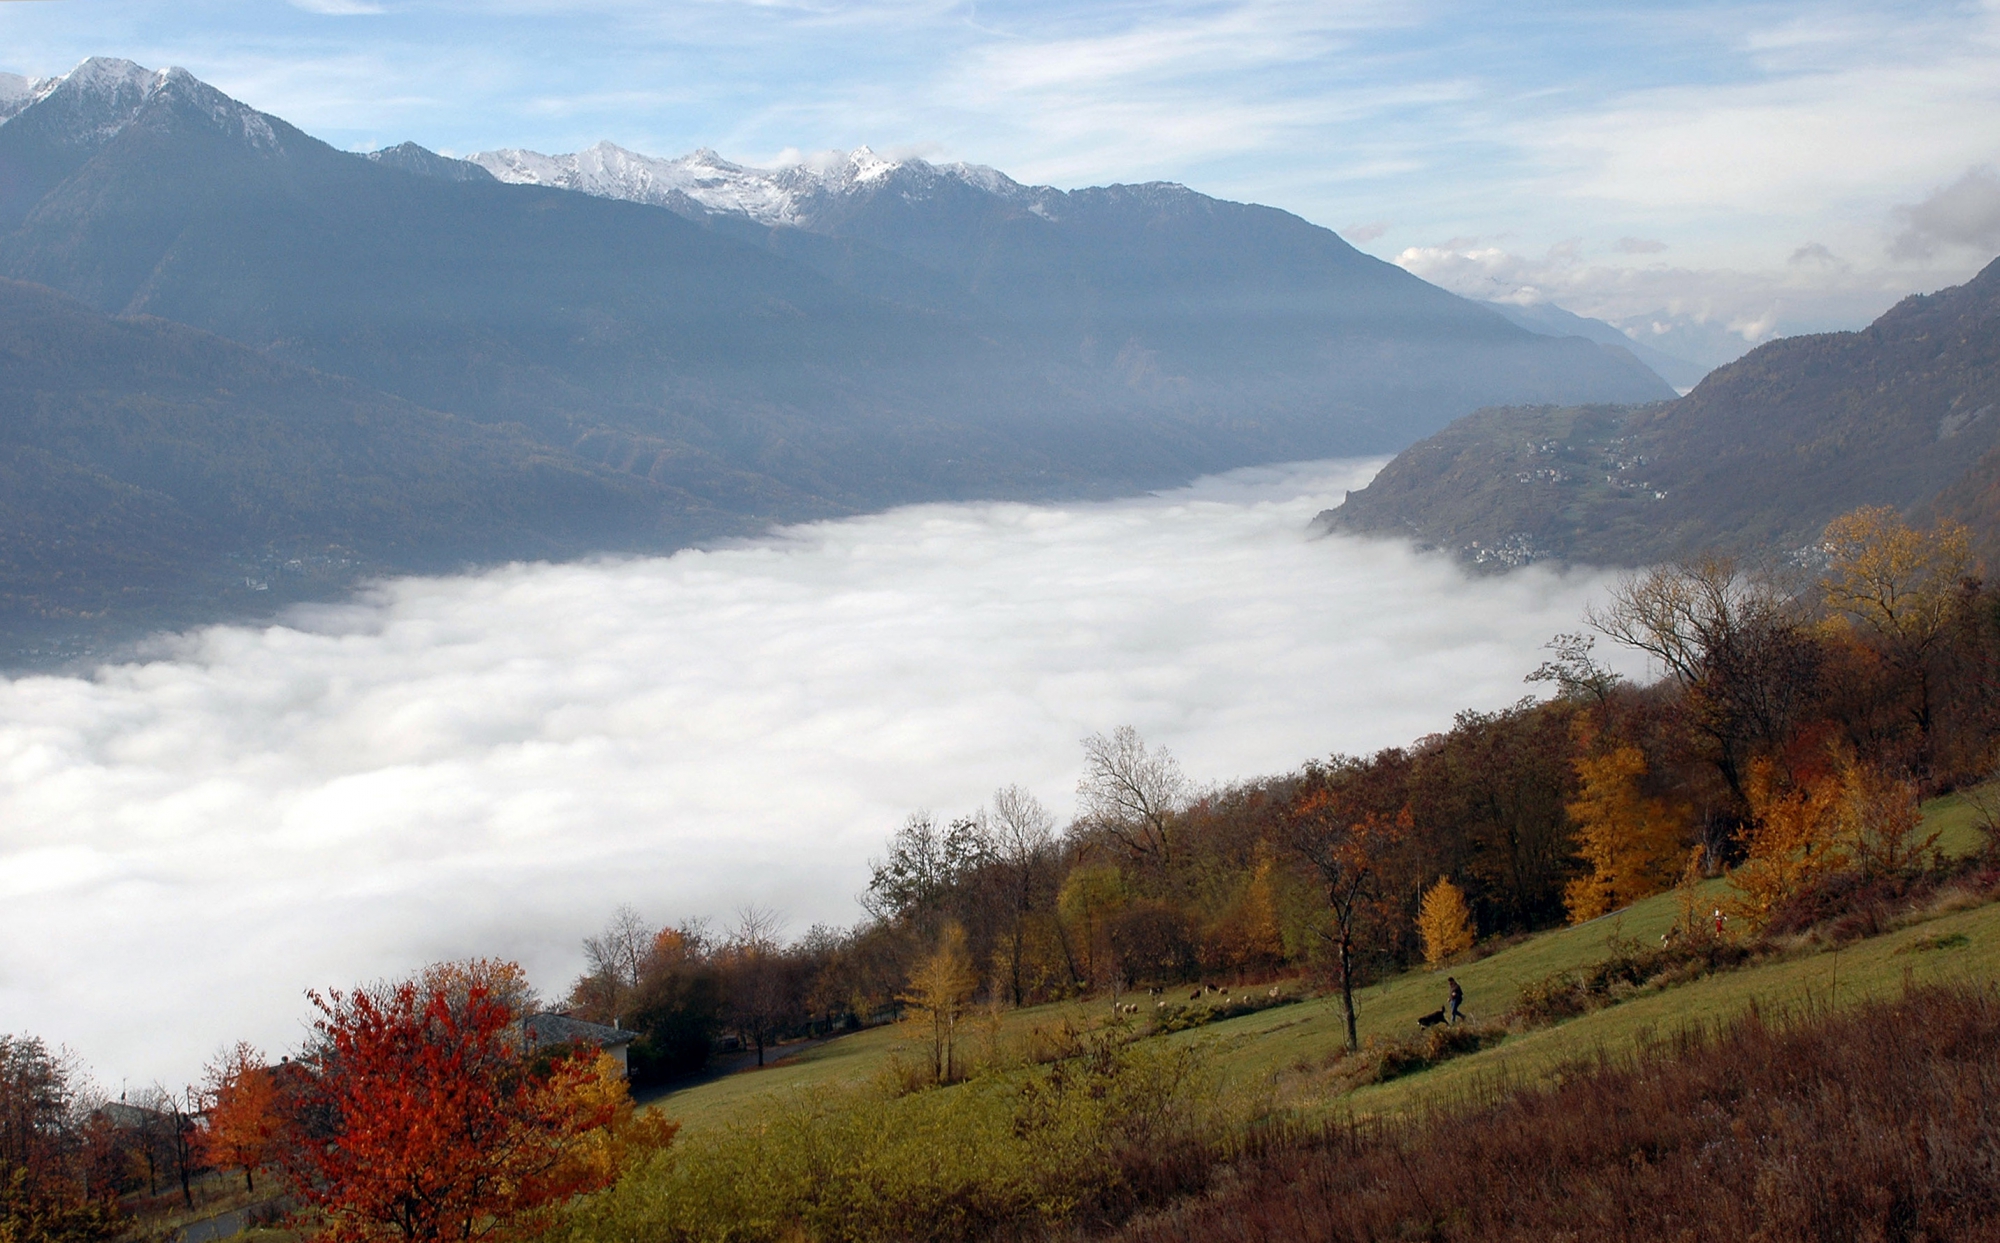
{"x":1455,"y":996}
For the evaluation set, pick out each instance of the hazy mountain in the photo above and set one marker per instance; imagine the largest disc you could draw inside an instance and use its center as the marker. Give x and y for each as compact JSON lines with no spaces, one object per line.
{"x":1551,"y":320}
{"x":833,"y":339}
{"x":153,"y":469}
{"x":1199,"y":300}
{"x":1754,"y":461}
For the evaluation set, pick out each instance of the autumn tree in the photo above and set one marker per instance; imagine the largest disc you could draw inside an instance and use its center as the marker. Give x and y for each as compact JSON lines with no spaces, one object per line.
{"x":1746,"y":669}
{"x":679,"y":1003}
{"x":1880,"y":821}
{"x":1445,"y":922}
{"x":1022,"y":834}
{"x":1346,"y":843}
{"x":1898,"y":587}
{"x":1793,"y":839}
{"x":1632,"y":842}
{"x":240,"y":1097}
{"x":1091,"y":894}
{"x":1247,"y":935}
{"x":938,"y":993}
{"x":1133,"y":794}
{"x":416,"y":1118}
{"x":760,"y":980}
{"x":47,"y":1193}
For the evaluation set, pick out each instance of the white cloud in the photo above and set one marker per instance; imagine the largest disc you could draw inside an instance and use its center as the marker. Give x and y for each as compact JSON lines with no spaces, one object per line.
{"x":1965,"y":213}
{"x":1708,"y":316}
{"x":490,"y":764}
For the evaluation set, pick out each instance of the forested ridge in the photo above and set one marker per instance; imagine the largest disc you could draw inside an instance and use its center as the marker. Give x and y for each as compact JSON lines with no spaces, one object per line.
{"x":1753,"y":462}
{"x":1775,"y":770}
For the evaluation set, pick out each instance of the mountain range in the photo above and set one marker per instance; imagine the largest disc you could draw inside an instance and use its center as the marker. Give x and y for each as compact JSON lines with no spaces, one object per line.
{"x":708,"y":350}
{"x":1753,"y":462}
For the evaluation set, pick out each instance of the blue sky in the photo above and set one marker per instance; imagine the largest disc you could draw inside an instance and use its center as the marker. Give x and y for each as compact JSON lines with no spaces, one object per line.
{"x":1707,"y":174}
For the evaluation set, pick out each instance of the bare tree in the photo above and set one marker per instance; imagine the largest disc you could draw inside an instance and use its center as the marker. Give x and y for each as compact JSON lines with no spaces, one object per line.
{"x":1132,"y":793}
{"x":1023,"y":834}
{"x":619,"y":952}
{"x":761,"y":992}
{"x":1734,"y":645}
{"x":1576,"y":673}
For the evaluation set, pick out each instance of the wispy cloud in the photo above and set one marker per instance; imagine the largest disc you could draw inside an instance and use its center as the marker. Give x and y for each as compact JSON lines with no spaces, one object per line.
{"x":490,"y":764}
{"x":338,"y":8}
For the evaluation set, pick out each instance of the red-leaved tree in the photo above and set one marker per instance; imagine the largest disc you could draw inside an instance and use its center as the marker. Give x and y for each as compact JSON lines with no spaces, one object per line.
{"x":417,"y":1118}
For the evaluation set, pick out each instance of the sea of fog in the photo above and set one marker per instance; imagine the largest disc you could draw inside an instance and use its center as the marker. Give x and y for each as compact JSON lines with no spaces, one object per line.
{"x":491,"y":764}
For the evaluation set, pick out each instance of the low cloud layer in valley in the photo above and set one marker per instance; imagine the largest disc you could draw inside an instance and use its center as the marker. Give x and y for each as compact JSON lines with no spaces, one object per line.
{"x":491,"y":764}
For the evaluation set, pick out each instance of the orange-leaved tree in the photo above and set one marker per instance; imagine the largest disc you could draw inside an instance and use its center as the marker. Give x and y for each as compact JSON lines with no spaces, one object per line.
{"x":240,"y":1096}
{"x":419,"y":1119}
{"x":1793,"y":839}
{"x":1632,"y":842}
{"x":1444,"y":921}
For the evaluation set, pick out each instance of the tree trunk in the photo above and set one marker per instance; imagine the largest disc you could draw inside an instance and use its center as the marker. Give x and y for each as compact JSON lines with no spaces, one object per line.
{"x":1347,"y":988}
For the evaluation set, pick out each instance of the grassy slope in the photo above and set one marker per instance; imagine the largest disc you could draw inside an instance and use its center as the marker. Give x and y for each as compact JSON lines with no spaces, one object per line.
{"x":1286,"y":1045}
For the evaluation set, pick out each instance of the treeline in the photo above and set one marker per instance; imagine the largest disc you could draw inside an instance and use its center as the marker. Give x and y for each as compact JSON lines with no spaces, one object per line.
{"x":1799,"y":718}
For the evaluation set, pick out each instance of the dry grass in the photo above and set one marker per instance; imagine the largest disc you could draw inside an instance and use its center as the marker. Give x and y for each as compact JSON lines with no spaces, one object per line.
{"x":1876,"y":1123}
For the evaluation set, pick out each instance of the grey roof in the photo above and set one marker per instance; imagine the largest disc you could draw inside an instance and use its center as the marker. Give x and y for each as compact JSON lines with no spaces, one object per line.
{"x":542,"y":1029}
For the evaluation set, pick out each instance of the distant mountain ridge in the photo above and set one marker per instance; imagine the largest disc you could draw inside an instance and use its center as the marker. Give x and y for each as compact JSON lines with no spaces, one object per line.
{"x":934,"y":334}
{"x":1546,"y":317}
{"x":702,"y":182}
{"x":1754,"y":461}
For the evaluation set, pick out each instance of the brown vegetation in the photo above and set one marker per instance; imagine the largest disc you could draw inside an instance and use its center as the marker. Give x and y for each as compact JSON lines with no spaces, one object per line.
{"x":1878,"y":1123}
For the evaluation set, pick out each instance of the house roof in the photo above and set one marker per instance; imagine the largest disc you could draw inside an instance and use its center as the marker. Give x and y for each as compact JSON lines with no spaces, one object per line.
{"x":541,"y":1029}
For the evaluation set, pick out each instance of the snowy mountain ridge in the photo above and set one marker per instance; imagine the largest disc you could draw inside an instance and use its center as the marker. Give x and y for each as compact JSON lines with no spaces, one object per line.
{"x":17,"y":93}
{"x":94,"y":102}
{"x":702,"y":182}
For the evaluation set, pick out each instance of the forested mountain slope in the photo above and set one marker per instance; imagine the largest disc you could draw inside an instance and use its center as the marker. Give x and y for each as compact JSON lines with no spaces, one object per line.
{"x":147,"y":467}
{"x":1755,"y":460}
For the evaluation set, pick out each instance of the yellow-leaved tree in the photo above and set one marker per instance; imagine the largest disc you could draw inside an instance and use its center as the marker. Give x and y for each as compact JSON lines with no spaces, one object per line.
{"x":1898,"y":586}
{"x":1247,"y":935}
{"x":1632,"y":842}
{"x":1880,"y":821}
{"x":940,"y":991}
{"x":1794,"y":838}
{"x":1445,"y":922}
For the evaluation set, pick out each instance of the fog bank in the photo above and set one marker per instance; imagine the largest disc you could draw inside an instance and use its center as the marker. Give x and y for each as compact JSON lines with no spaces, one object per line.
{"x":490,"y":764}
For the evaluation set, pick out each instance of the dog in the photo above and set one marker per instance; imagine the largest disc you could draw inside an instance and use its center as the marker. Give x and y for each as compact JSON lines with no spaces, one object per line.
{"x":1432,"y":1019}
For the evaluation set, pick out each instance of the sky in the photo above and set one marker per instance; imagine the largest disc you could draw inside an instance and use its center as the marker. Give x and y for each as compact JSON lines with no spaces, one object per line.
{"x":1708,"y":174}
{"x":492,"y":764}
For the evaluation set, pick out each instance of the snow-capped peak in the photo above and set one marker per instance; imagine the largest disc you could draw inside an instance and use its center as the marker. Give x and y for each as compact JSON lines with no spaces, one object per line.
{"x":703,"y":182}
{"x":18,"y":93}
{"x":100,"y":97}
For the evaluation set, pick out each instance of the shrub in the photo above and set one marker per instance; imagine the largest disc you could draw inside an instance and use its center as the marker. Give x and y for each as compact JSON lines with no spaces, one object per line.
{"x":1429,"y":1048}
{"x":1630,"y":968}
{"x":1876,"y":1123}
